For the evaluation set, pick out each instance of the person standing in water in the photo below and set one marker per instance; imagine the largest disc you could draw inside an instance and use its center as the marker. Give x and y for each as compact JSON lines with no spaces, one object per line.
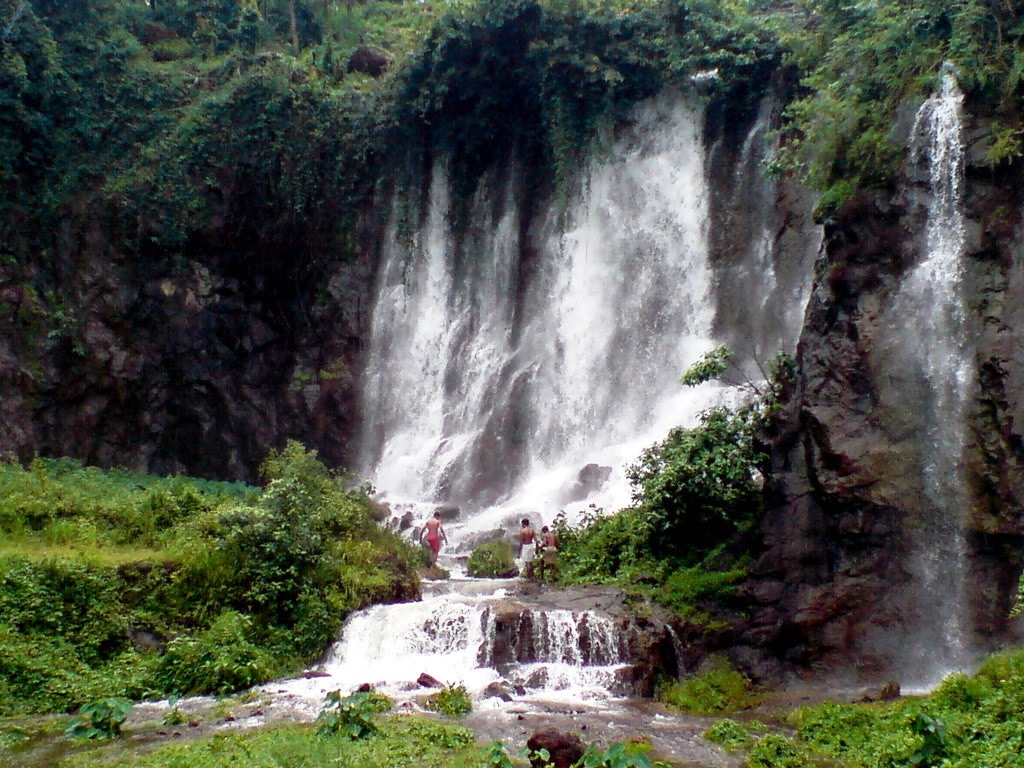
{"x":527,"y":547}
{"x":548,"y":554}
{"x":433,"y":533}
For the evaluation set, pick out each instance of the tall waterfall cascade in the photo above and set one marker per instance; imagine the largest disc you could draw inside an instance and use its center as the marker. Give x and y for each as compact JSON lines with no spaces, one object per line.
{"x":496,"y":381}
{"x":519,"y":361}
{"x":930,"y":305}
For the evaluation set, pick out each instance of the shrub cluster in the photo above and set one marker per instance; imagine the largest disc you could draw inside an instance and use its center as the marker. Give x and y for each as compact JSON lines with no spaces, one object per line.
{"x":182,"y":586}
{"x":491,"y":560}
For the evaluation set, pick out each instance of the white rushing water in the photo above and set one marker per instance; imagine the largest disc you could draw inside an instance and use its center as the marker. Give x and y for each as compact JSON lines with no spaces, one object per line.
{"x":549,"y":656}
{"x":519,"y":385}
{"x":493,"y":383}
{"x":930,"y":305}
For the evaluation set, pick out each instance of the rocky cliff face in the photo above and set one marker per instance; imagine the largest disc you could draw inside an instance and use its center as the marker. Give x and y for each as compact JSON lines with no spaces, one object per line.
{"x":850,"y":458}
{"x":121,"y":357}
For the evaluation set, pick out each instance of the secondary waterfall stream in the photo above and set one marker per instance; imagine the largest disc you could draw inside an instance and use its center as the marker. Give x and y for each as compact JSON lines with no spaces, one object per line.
{"x":935,"y":344}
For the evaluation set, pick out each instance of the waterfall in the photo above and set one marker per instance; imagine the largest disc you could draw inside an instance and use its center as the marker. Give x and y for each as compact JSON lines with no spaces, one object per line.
{"x":494,"y":379}
{"x":460,"y":639}
{"x":931,"y":317}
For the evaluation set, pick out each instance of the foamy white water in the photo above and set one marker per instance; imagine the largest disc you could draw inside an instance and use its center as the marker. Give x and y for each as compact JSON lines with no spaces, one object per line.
{"x":554,"y":656}
{"x":932,"y":322}
{"x":492,"y":383}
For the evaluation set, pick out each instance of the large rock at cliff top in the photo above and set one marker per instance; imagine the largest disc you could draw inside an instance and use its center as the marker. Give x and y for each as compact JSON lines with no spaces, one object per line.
{"x":368,"y":60}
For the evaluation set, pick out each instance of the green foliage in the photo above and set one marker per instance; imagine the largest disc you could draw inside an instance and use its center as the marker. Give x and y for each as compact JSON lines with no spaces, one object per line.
{"x":729,"y":734}
{"x":497,"y":756}
{"x":860,"y":62}
{"x":351,"y":716}
{"x":452,"y":700}
{"x":221,"y":659}
{"x":629,"y":754}
{"x":239,"y":584}
{"x":403,"y":742}
{"x":832,"y":199}
{"x":490,"y":560}
{"x":777,"y":751}
{"x":711,"y":365}
{"x":696,"y":487}
{"x":718,"y":687}
{"x":546,"y":76}
{"x":100,"y":719}
{"x":968,"y":721}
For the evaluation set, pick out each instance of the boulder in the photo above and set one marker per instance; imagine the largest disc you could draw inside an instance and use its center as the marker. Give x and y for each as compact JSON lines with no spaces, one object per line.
{"x":429,"y":681}
{"x":448,"y":511}
{"x":497,"y":691}
{"x":565,"y":749}
{"x":590,"y":479}
{"x":381,"y":511}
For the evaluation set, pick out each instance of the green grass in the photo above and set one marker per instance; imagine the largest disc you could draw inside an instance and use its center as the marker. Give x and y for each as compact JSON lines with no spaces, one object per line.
{"x":121,"y":585}
{"x":404,"y":742}
{"x":717,"y":688}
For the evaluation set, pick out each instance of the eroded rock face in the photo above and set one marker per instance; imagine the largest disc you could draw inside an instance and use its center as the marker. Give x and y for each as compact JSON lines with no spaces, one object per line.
{"x":584,"y":626}
{"x":197,"y":368}
{"x":846,"y":495}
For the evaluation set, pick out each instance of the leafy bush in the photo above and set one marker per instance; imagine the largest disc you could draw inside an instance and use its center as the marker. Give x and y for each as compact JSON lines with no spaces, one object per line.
{"x":351,"y":716}
{"x":221,"y":659}
{"x":718,"y":687}
{"x":777,"y":751}
{"x":248,"y":583}
{"x":452,"y":700}
{"x":101,"y":719}
{"x":629,"y":754}
{"x":729,"y":734}
{"x":490,"y":560}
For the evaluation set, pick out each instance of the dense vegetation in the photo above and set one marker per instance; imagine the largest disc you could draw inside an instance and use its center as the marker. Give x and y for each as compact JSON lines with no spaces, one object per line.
{"x":968,"y":722}
{"x":163,"y":118}
{"x":166,"y":116}
{"x":695,"y":497}
{"x":859,"y":62}
{"x":114,"y":584}
{"x":491,"y":559}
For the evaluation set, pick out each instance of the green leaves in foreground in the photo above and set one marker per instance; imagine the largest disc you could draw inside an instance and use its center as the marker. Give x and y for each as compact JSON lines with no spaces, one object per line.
{"x":351,"y":716}
{"x":969,"y":722}
{"x":101,"y":719}
{"x":452,"y":700}
{"x":403,"y":742}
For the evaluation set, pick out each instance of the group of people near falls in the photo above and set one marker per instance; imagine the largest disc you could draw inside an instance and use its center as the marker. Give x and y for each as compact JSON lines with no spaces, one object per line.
{"x":537,"y":555}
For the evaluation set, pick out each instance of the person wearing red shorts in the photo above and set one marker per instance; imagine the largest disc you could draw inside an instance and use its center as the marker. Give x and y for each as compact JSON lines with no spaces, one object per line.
{"x":433,"y":534}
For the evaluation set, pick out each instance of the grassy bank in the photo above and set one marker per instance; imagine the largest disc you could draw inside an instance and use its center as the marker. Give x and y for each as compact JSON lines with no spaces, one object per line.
{"x":115,"y":584}
{"x":972,"y":721}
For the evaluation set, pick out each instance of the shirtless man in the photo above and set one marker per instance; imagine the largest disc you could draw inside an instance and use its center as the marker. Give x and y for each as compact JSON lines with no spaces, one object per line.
{"x":527,"y":547}
{"x":434,"y":534}
{"x":548,"y":554}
